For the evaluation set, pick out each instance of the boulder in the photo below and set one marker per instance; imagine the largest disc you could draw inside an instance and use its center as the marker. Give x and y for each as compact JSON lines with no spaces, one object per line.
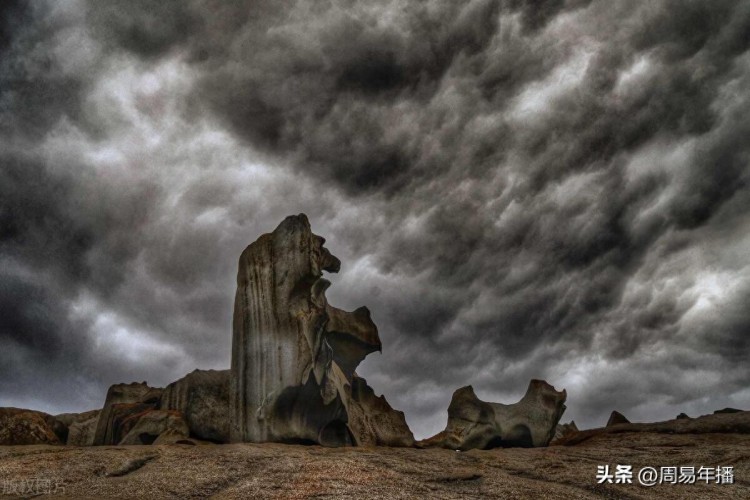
{"x":203,"y":398}
{"x":473,"y":423}
{"x":19,"y":426}
{"x":119,"y":394}
{"x":682,"y":416}
{"x":146,"y":427}
{"x":617,"y":418}
{"x":293,"y":355}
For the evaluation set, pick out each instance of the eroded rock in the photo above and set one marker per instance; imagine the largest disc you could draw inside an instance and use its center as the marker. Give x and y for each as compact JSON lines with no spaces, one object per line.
{"x":617,"y":418}
{"x":563,"y":431}
{"x":473,"y":423}
{"x":82,"y":433}
{"x":19,"y":426}
{"x":148,"y":426}
{"x":123,"y":394}
{"x":293,"y":355}
{"x":203,"y":398}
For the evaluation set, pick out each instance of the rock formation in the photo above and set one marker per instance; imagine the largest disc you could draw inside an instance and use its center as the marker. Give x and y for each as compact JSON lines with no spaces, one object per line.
{"x":727,"y":410}
{"x":682,"y":416}
{"x":294,"y":356}
{"x":19,"y":426}
{"x":82,"y":430}
{"x":473,"y":423}
{"x":563,"y":431}
{"x":121,"y":401}
{"x":203,"y":398}
{"x":617,"y":418}
{"x":147,"y":427}
{"x":77,"y":429}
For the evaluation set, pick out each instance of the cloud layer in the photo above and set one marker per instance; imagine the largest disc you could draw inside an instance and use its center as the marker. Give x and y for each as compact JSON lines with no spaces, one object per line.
{"x":516,"y":189}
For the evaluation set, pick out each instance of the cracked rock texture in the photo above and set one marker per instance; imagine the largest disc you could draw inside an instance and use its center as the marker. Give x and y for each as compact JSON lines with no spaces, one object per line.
{"x":294,"y":356}
{"x":473,"y":423}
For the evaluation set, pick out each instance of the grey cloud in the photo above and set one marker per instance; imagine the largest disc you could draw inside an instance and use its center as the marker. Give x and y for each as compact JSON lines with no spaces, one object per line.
{"x":516,"y":189}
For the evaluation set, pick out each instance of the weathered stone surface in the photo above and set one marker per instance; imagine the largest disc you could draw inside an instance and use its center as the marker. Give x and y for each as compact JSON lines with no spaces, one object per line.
{"x":617,"y":418}
{"x":123,"y":394}
{"x":148,"y":426}
{"x":20,"y":426}
{"x":293,"y":355}
{"x":372,"y":421}
{"x":473,"y":423}
{"x":203,"y":398}
{"x":81,"y":432}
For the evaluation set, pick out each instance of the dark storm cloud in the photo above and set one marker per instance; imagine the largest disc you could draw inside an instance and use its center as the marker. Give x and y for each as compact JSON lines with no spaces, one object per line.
{"x":517,"y":189}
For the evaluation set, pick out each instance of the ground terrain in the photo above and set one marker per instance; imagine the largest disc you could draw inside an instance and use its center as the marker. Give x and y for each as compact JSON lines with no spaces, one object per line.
{"x":294,"y":471}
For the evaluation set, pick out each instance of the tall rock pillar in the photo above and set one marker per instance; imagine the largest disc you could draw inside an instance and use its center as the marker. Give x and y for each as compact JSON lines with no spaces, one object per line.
{"x":293,"y":355}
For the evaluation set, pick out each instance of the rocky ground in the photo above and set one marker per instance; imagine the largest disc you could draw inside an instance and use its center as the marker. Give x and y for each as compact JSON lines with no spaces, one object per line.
{"x":292,"y":471}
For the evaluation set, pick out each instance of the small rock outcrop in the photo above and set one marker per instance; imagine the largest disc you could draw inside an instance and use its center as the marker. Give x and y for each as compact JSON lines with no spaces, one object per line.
{"x":203,"y":398}
{"x":475,"y":424}
{"x":682,"y":416}
{"x":616,"y":418}
{"x":727,"y":410}
{"x":119,"y":401}
{"x":293,"y":355}
{"x":563,"y":431}
{"x":19,"y":426}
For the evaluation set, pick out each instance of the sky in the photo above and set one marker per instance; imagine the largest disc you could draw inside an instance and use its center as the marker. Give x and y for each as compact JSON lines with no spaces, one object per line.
{"x":516,"y":189}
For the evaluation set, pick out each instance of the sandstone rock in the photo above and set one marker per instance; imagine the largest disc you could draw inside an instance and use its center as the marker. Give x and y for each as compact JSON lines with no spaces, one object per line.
{"x":564,"y":430}
{"x":473,"y":423}
{"x":69,"y":419}
{"x":293,"y":355}
{"x":82,"y":432}
{"x":148,"y":426}
{"x":203,"y":398}
{"x":617,"y":418}
{"x":372,"y":421}
{"x":20,"y":426}
{"x":123,"y":394}
{"x":61,"y":423}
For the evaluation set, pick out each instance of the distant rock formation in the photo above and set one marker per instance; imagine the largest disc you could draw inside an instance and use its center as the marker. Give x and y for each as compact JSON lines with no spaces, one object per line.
{"x":718,"y":423}
{"x":617,"y":418}
{"x":473,"y":423}
{"x":294,"y":356}
{"x":19,"y":426}
{"x":682,"y":416}
{"x":202,"y":397}
{"x":564,"y":430}
{"x":727,"y":410}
